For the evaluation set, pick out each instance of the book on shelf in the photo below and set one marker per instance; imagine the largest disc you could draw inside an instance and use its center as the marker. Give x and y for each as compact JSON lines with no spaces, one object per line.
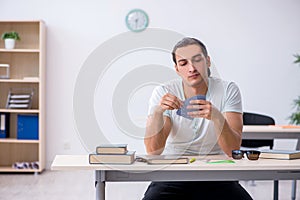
{"x":280,"y":154}
{"x":127,"y":158}
{"x":112,"y":149}
{"x":29,"y":78}
{"x":163,"y":159}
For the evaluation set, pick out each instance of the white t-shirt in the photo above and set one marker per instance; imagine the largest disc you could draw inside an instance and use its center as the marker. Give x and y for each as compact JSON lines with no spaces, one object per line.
{"x":196,"y":136}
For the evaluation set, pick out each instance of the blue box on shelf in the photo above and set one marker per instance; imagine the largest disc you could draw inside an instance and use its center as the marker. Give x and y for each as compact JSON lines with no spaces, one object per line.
{"x":28,"y":127}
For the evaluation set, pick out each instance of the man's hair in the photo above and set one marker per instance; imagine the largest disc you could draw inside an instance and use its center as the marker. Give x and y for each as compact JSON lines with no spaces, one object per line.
{"x":186,"y":42}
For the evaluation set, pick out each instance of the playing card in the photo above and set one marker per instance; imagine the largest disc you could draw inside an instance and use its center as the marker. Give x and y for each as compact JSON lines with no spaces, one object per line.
{"x":183,"y":110}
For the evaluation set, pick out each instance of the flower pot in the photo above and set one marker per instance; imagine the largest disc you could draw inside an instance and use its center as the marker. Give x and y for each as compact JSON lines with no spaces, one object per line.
{"x":9,"y":43}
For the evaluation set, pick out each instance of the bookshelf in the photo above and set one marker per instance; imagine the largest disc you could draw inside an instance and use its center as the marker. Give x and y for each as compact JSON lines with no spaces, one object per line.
{"x":27,"y":70}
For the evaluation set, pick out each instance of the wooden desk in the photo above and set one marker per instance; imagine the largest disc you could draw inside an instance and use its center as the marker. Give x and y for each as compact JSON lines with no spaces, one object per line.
{"x":270,"y":132}
{"x":200,"y":170}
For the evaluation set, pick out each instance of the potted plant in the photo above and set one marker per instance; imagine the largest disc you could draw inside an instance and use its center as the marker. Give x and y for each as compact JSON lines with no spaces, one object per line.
{"x":295,"y":117}
{"x":10,"y":38}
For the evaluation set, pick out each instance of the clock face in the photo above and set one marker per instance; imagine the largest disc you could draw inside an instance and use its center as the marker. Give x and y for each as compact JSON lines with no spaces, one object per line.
{"x":137,"y":20}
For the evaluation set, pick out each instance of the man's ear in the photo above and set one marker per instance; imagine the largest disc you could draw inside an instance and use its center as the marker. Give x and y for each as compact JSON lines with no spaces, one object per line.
{"x":208,"y":66}
{"x":208,"y":61}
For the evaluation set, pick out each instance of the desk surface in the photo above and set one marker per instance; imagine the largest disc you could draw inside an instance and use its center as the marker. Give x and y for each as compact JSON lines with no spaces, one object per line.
{"x":200,"y":170}
{"x":80,"y":162}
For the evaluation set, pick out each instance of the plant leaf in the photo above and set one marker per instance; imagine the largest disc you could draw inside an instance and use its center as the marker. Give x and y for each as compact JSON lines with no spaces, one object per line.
{"x":297,"y":56}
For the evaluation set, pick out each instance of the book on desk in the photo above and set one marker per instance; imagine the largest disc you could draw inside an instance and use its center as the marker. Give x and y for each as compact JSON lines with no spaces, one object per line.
{"x":280,"y":154}
{"x":163,"y":159}
{"x":112,"y":154}
{"x":111,"y":149}
{"x":127,"y":158}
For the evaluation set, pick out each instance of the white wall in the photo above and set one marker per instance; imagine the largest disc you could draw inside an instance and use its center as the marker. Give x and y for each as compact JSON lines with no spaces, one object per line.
{"x":250,"y":42}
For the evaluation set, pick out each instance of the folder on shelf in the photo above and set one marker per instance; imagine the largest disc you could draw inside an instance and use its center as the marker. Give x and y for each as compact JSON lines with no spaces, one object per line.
{"x":28,"y":127}
{"x":4,"y":125}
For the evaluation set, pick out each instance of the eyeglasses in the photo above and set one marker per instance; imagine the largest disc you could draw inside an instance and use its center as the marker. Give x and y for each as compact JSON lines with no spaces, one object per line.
{"x":251,"y":154}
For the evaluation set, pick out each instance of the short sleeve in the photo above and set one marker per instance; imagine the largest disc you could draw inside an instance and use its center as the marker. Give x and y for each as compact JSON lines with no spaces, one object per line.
{"x":233,"y":99}
{"x":155,"y":98}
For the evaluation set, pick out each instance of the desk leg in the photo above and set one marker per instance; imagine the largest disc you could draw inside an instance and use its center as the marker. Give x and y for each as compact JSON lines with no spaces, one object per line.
{"x":276,"y":190}
{"x":294,"y":188}
{"x":100,"y":185}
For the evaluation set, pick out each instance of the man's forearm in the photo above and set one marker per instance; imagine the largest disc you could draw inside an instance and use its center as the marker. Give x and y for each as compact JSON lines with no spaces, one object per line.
{"x":156,"y":133}
{"x":228,"y":138}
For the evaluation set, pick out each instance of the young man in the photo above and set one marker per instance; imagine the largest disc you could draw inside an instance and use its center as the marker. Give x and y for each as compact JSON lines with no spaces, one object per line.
{"x":213,"y":126}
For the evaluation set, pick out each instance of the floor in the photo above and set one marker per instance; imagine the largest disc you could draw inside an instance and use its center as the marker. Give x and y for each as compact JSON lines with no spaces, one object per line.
{"x":79,"y":185}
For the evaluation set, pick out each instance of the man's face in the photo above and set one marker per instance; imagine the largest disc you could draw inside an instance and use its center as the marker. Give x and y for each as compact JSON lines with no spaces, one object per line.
{"x":192,"y":65}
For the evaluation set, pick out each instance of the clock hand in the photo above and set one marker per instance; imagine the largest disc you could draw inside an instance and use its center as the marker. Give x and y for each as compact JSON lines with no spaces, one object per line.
{"x":136,"y":23}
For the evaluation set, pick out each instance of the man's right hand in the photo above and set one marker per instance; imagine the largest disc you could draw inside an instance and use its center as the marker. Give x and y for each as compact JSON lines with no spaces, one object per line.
{"x":170,"y":102}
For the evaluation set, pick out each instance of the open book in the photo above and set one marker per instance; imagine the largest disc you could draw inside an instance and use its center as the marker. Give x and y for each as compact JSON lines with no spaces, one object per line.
{"x":163,"y":159}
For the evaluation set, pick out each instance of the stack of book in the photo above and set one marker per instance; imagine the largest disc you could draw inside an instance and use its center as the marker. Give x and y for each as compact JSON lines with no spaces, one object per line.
{"x":112,"y":154}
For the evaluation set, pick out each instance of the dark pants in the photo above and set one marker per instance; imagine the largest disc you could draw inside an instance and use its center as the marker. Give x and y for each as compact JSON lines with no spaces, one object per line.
{"x":198,"y":190}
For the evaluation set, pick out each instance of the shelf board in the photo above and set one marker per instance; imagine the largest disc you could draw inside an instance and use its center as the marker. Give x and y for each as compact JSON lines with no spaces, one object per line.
{"x":10,"y":169}
{"x":21,"y":21}
{"x":19,"y":110}
{"x":14,"y":140}
{"x":20,"y":50}
{"x":26,"y":80}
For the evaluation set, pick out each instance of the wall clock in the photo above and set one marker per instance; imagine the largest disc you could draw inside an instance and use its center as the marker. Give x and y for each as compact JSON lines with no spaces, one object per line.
{"x":137,"y":20}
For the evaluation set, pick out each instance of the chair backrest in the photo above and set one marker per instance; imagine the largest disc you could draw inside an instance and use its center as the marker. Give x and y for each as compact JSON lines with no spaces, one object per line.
{"x":257,"y":119}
